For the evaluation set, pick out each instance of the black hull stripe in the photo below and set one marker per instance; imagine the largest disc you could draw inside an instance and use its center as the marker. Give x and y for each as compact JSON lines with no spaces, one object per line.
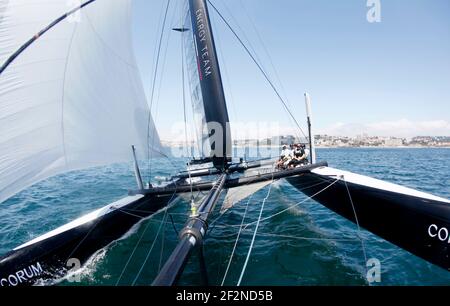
{"x":418,"y":225}
{"x":81,"y":242}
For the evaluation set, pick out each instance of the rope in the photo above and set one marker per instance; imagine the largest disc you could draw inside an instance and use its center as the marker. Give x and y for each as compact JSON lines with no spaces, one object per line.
{"x":306,"y":238}
{"x":259,"y":67}
{"x":184,"y":108}
{"x":266,"y":51}
{"x":213,"y":223}
{"x":151,"y":249}
{"x":173,"y":225}
{"x":132,"y":253}
{"x":155,"y":75}
{"x":254,"y":233}
{"x":290,"y":237}
{"x":236,"y":242}
{"x":142,"y":235}
{"x":295,"y":205}
{"x":162,"y":245}
{"x":357,"y":224}
{"x":284,"y":210}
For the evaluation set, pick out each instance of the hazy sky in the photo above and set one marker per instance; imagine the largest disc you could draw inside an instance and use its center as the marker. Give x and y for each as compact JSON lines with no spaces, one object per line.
{"x":386,"y":78}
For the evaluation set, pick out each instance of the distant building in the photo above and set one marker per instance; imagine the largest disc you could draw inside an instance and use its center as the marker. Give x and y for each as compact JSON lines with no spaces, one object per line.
{"x":394,"y":142}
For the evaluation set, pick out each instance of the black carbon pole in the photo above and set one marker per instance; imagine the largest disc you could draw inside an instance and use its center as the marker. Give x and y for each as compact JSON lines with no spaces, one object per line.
{"x":190,"y":237}
{"x":39,"y":34}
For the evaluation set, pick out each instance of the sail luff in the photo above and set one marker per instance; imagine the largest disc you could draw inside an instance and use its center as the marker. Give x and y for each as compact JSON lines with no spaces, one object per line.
{"x":215,"y":108}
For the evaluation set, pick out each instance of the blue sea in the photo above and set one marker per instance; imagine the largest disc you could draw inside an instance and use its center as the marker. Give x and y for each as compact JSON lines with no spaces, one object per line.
{"x":306,"y":245}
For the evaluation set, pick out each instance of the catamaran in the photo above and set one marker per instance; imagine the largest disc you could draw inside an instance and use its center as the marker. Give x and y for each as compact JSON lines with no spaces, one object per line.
{"x":71,"y":98}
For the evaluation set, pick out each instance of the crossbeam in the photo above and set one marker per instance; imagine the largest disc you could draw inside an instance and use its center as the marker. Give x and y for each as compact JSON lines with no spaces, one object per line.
{"x":229,"y":182}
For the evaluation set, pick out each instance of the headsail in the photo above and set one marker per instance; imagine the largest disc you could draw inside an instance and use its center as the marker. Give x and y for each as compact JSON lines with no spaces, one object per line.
{"x":206,"y":84}
{"x":74,"y":98}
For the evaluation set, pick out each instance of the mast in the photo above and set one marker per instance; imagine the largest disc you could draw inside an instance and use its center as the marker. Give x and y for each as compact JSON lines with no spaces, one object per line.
{"x":216,"y":113}
{"x":312,"y":148}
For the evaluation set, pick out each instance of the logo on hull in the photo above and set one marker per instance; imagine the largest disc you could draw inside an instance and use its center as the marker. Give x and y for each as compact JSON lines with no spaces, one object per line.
{"x":440,"y":233}
{"x":22,"y":276}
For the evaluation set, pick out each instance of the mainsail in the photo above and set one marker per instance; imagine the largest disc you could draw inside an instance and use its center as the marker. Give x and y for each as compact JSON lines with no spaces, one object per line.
{"x":202,"y":147}
{"x":205,"y":81}
{"x":73,"y":99}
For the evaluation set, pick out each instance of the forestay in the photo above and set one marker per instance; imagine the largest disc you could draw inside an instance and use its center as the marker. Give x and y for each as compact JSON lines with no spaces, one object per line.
{"x":73,"y":99}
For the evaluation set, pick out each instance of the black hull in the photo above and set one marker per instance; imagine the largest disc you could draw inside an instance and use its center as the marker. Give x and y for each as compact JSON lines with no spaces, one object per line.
{"x":48,"y":260}
{"x":415,"y":224}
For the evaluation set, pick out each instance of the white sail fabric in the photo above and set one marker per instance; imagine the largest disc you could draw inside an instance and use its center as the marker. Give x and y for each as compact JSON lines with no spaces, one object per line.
{"x":202,"y":145}
{"x":74,"y":98}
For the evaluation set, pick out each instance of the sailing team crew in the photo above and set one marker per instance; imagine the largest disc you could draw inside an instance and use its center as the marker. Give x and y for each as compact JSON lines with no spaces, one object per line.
{"x":294,"y":156}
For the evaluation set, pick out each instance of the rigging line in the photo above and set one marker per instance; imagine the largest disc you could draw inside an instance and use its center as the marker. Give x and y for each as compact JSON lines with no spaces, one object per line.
{"x":151,"y":249}
{"x":234,"y":206}
{"x":219,"y":265}
{"x":84,"y":238}
{"x":147,"y":211}
{"x":167,"y":157}
{"x":225,"y":72}
{"x":259,"y":67}
{"x":306,"y":238}
{"x":261,"y":41}
{"x":214,"y":222}
{"x":358,"y":226}
{"x":236,"y":242}
{"x":251,"y":47}
{"x":95,"y":225}
{"x":284,"y":210}
{"x":289,"y":237}
{"x":297,"y":204}
{"x":254,"y":233}
{"x":184,"y":105}
{"x":249,"y":43}
{"x":39,"y":34}
{"x":155,"y":75}
{"x":131,"y":214}
{"x":173,"y":225}
{"x":140,"y":239}
{"x":132,"y":253}
{"x":162,"y":246}
{"x":151,"y":221}
{"x":161,"y":82}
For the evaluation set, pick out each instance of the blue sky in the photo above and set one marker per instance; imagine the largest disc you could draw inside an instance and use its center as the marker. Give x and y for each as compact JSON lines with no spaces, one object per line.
{"x":387,"y":78}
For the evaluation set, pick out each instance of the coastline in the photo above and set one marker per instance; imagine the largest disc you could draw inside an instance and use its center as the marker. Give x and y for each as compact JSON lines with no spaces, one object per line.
{"x":327,"y":147}
{"x":386,"y":147}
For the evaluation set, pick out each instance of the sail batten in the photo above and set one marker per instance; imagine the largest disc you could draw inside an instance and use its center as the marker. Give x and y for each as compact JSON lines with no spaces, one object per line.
{"x":73,"y":98}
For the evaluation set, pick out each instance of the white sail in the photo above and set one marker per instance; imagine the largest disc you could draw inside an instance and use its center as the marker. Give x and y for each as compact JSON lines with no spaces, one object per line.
{"x":202,"y":145}
{"x":73,"y":99}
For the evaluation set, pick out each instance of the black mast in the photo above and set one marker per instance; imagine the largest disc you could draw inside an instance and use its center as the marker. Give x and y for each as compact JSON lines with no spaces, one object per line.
{"x":216,"y":117}
{"x":216,"y":113}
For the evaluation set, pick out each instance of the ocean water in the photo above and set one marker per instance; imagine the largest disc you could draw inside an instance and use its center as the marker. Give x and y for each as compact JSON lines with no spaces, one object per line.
{"x":306,"y":245}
